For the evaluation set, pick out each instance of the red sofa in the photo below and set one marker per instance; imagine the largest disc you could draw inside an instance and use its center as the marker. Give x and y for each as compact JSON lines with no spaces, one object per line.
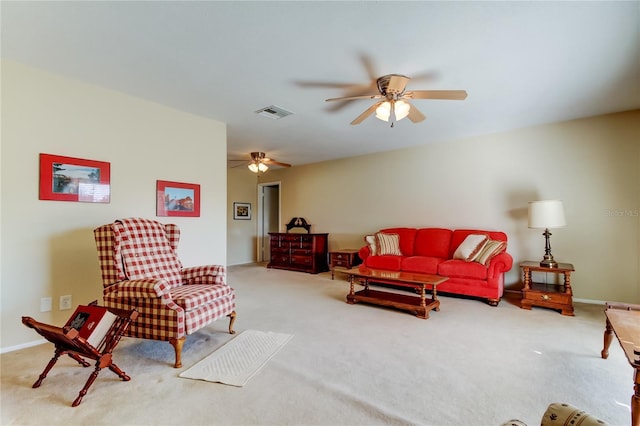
{"x":431,"y":251}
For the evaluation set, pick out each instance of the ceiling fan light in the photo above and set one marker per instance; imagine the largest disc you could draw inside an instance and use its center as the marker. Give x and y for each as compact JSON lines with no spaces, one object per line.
{"x":253,"y":167}
{"x":263,"y":167}
{"x":383,"y":111}
{"x":402,"y":110}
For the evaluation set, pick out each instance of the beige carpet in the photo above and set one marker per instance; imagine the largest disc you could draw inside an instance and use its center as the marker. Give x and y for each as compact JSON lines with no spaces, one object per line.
{"x":239,"y":360}
{"x":468,"y":364}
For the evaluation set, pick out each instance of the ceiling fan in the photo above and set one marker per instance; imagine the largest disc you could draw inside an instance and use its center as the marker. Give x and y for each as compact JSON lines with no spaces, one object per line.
{"x":260,"y":163}
{"x":394,"y":102}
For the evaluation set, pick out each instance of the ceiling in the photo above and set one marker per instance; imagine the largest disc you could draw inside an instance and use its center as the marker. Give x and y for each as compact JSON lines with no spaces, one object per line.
{"x":522,"y":64}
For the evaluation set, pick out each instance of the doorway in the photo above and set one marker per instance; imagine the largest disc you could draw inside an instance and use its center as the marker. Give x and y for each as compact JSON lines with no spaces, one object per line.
{"x":268,"y":215}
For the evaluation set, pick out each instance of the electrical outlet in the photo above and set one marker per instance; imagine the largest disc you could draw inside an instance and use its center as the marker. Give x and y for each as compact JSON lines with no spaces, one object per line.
{"x":45,"y":304}
{"x":65,"y":302}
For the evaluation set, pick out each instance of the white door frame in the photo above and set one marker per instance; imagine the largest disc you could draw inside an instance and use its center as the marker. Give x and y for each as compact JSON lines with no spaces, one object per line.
{"x":261,"y":234}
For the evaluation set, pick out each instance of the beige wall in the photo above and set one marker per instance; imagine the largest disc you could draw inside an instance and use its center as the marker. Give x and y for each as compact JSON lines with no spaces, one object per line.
{"x":47,"y":246}
{"x":593,"y":165}
{"x":241,"y":234}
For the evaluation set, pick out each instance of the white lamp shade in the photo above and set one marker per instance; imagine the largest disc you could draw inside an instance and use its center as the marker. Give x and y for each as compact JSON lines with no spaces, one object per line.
{"x":383,"y":111}
{"x":253,"y":167}
{"x":546,"y":214}
{"x":402,"y":109}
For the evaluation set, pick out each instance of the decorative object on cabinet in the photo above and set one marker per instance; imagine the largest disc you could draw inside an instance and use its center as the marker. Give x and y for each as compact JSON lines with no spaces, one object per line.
{"x":298,"y":222}
{"x":343,"y":258}
{"x":67,"y":340}
{"x":177,"y":199}
{"x":554,"y":296}
{"x":299,"y":252}
{"x":544,"y":215}
{"x":74,"y":179}
{"x":241,"y":211}
{"x":141,"y":269}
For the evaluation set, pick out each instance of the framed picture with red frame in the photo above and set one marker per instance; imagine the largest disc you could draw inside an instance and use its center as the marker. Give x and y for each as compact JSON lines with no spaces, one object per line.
{"x":74,"y":179}
{"x":177,"y":199}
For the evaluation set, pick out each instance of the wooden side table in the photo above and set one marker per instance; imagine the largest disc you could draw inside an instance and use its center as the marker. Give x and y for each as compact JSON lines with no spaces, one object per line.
{"x":344,"y":258}
{"x":554,"y":296}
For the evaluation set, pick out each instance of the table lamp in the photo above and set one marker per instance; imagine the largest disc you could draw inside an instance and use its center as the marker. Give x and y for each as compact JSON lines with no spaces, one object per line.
{"x":545,"y":215}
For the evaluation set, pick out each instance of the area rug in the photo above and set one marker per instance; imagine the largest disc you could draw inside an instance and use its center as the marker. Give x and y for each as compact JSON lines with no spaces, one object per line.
{"x":240,"y":359}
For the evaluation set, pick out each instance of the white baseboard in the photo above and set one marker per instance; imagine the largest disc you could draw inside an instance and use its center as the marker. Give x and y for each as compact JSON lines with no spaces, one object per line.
{"x":22,"y":346}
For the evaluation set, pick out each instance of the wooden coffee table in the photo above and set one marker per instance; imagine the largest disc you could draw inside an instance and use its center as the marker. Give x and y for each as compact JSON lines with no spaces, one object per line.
{"x":624,"y":321}
{"x":419,"y":282}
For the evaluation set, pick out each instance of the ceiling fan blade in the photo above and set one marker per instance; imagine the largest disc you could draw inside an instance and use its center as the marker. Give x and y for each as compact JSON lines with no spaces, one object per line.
{"x":366,"y":114}
{"x":352,"y":98}
{"x":275,"y":163}
{"x":414,"y":114}
{"x":239,"y":165}
{"x":397,"y":83}
{"x":454,"y":95}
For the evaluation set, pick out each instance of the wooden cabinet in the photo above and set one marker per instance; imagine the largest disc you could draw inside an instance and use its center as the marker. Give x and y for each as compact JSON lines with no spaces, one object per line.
{"x":299,"y":252}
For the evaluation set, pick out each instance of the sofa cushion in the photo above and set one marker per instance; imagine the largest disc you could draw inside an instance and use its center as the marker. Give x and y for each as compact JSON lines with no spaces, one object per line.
{"x":432,"y":242}
{"x":470,"y":247}
{"x":462,"y":269}
{"x":391,"y":263}
{"x":388,"y":244}
{"x":407,"y":238}
{"x":491,"y":249}
{"x":421,"y":264}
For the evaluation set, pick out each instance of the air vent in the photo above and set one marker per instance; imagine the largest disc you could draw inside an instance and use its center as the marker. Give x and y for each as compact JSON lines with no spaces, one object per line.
{"x":273,"y":112}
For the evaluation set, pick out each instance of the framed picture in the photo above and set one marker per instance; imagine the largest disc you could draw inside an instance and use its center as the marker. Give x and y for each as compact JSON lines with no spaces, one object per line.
{"x":177,"y":199}
{"x":74,"y":179}
{"x":242,"y":211}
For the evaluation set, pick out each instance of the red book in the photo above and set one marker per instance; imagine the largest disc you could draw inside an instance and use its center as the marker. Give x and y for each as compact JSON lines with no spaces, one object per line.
{"x":92,"y":323}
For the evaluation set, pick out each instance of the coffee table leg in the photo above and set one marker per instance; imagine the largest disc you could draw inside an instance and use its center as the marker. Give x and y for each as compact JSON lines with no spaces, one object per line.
{"x":608,"y":335}
{"x":435,"y":299}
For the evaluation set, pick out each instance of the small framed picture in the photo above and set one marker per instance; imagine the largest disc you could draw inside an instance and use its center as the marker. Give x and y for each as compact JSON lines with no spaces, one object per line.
{"x":177,"y":199}
{"x":242,"y":211}
{"x":74,"y":179}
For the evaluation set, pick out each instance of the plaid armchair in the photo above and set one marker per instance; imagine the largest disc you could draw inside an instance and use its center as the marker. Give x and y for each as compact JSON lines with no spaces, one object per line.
{"x":141,"y":270}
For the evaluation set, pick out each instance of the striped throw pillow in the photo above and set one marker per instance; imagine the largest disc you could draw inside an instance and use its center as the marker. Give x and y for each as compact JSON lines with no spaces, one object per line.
{"x":491,"y":249}
{"x":388,"y":244}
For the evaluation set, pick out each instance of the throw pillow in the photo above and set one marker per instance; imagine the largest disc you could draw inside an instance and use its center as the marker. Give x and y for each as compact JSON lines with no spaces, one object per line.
{"x":565,"y":414}
{"x":388,"y":244}
{"x":470,"y":247}
{"x":371,"y":242}
{"x":491,"y":249}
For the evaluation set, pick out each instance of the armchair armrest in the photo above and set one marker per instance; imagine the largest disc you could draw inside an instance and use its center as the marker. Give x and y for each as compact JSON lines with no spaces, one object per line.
{"x":500,"y":264}
{"x":209,"y":274}
{"x":141,"y":289}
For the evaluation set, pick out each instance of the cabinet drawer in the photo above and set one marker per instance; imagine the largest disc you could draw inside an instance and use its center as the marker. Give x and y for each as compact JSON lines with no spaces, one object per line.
{"x":300,"y":252}
{"x":302,"y":260}
{"x":545,"y":296}
{"x":342,"y":262}
{"x":340,"y":257}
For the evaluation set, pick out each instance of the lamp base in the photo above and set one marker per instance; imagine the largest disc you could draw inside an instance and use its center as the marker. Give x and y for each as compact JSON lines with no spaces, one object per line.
{"x":548,"y":262}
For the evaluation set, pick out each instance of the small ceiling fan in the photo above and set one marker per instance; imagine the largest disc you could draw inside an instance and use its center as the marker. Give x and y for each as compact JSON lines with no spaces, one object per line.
{"x":394,"y":100}
{"x":260,"y":163}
